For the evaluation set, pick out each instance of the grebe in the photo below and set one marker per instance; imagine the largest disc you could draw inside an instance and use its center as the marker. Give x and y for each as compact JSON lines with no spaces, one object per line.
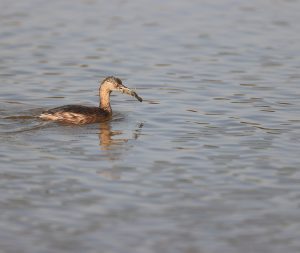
{"x":79,"y":114}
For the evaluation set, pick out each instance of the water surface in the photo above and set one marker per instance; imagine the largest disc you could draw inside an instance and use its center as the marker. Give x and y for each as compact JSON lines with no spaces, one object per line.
{"x":209,"y":162}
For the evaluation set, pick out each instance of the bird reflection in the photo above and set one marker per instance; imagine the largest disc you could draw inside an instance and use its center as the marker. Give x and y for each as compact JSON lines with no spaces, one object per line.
{"x":105,"y":135}
{"x":109,"y":141}
{"x":107,"y":138}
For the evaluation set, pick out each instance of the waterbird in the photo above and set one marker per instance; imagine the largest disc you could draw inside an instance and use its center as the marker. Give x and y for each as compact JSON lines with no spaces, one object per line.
{"x":79,"y":114}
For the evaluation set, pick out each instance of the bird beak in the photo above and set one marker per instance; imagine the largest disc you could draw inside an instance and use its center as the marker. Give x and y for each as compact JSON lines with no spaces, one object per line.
{"x":130,"y":92}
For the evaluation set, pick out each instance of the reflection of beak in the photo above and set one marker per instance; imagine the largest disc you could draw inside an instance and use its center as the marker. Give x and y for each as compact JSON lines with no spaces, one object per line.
{"x":130,"y":92}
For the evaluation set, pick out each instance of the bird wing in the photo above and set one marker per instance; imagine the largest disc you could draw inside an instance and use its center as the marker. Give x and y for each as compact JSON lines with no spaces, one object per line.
{"x":79,"y":109}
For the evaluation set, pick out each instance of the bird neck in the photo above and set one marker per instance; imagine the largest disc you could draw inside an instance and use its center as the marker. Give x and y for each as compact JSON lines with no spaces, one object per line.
{"x":104,"y":94}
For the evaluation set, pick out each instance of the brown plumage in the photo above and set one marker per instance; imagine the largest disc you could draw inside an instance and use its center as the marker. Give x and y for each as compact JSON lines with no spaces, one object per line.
{"x":79,"y":114}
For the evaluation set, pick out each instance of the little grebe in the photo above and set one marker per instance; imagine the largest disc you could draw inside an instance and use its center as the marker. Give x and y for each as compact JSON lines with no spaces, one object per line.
{"x":79,"y":114}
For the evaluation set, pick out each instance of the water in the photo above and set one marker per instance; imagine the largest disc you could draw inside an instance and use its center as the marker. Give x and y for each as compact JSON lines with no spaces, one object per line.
{"x":209,"y":162}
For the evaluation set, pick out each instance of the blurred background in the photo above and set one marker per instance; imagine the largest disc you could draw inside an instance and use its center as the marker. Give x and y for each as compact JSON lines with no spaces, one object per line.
{"x":209,"y":162}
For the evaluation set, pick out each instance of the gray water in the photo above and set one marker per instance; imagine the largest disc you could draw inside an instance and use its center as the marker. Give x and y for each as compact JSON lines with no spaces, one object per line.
{"x":208,"y":163}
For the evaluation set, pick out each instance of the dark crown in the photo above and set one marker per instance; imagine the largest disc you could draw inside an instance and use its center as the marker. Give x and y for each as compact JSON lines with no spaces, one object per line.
{"x":112,"y":79}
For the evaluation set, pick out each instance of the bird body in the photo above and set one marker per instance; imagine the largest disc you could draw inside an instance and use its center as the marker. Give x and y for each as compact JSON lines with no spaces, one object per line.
{"x":76,"y":114}
{"x":79,"y":114}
